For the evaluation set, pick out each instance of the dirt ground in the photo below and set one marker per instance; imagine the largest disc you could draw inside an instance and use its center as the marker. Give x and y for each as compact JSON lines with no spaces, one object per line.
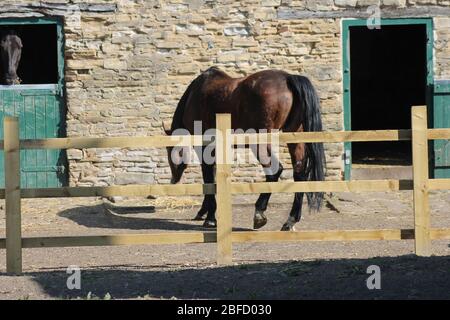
{"x":284,"y":270}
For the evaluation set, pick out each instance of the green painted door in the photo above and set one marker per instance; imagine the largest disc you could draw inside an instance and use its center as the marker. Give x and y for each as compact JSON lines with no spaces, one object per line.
{"x":346,"y":25}
{"x":38,"y":108}
{"x":441,"y":118}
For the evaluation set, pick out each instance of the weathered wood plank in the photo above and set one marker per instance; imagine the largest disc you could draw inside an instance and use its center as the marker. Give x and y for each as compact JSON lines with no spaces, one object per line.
{"x":329,"y":136}
{"x":223,"y":178}
{"x":420,"y":174}
{"x":440,"y":234}
{"x":112,"y":142}
{"x":437,"y":134}
{"x":117,"y":239}
{"x":236,"y":188}
{"x":282,"y":137}
{"x":129,"y":190}
{"x":439,"y":184}
{"x":12,"y":196}
{"x":325,"y":235}
{"x":237,"y":236}
{"x":322,"y":186}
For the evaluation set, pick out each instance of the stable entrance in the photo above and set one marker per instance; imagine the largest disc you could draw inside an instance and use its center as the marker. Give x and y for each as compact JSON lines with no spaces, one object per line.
{"x":37,"y":100}
{"x":386,"y":71}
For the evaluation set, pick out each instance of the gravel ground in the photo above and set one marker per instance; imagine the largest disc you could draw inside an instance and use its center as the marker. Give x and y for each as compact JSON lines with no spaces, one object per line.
{"x":292,"y":270}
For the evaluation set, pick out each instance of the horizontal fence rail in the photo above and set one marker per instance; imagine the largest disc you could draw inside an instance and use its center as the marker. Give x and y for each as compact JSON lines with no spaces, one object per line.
{"x":129,"y":190}
{"x":422,"y":233}
{"x":236,"y":236}
{"x":170,"y":141}
{"x":236,"y":188}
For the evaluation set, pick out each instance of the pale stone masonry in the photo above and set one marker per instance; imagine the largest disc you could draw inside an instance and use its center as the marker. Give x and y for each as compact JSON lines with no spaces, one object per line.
{"x":129,"y":61}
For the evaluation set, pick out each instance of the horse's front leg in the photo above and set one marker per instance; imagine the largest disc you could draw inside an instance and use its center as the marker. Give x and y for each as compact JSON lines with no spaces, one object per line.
{"x":204,"y":208}
{"x":209,"y":201}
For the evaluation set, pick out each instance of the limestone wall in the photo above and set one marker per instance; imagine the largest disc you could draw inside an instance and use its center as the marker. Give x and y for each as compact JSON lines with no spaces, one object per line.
{"x":129,"y":61}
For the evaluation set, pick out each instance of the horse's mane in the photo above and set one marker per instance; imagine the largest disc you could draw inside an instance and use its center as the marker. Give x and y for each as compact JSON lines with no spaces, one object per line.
{"x":194,"y":86}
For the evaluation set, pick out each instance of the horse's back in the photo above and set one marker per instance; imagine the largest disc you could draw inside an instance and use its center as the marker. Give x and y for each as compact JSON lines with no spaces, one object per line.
{"x":260,"y":100}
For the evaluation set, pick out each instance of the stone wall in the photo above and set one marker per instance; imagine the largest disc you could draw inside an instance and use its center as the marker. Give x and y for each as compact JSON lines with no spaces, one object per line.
{"x":129,"y":61}
{"x":442,"y":47}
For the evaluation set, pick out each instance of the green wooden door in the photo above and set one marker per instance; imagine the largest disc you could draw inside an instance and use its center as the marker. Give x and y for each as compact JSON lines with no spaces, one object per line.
{"x":346,"y":24}
{"x":39,"y":109}
{"x":441,"y":118}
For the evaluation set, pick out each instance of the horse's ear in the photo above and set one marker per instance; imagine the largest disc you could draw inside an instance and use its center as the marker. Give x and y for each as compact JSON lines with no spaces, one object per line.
{"x":166,"y":127}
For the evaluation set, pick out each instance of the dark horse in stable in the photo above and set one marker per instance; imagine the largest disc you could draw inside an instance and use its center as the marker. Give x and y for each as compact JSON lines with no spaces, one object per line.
{"x":268,"y":100}
{"x":10,"y":54}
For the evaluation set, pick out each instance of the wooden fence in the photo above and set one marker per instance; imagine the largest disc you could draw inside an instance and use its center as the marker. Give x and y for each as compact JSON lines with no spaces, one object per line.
{"x":224,"y":188}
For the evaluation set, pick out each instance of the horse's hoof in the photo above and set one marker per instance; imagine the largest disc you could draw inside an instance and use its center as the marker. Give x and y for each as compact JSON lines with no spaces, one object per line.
{"x":259,"y":220}
{"x":210,"y":224}
{"x":287,"y":227}
{"x":198,"y":217}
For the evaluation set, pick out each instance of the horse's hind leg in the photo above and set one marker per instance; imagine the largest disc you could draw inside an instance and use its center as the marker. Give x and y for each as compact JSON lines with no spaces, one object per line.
{"x":272,"y":169}
{"x":297,"y":152}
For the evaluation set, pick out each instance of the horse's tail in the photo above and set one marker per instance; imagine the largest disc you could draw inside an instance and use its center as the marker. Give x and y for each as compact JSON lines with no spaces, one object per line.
{"x":307,"y":103}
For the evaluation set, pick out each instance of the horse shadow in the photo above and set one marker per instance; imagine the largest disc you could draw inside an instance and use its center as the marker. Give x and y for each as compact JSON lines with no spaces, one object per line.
{"x":107,"y":216}
{"x":402,"y":277}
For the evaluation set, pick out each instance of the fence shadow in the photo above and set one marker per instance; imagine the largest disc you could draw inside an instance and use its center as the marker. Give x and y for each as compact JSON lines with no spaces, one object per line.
{"x":404,"y":277}
{"x":116,"y":217}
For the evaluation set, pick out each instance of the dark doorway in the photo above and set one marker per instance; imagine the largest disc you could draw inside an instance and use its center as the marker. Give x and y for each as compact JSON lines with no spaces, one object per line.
{"x":39,"y":62}
{"x":388,"y":76}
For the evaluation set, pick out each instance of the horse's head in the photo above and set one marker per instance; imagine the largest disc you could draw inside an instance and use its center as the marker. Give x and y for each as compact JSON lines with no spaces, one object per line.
{"x":10,"y":53}
{"x":175,"y":158}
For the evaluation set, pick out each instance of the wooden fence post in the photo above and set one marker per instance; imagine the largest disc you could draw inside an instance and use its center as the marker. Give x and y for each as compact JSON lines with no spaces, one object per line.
{"x":12,"y":196}
{"x":223,"y":180}
{"x":420,"y":173}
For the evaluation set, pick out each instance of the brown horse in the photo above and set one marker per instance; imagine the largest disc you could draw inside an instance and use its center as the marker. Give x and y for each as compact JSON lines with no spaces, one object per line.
{"x":10,"y":54}
{"x":270,"y":99}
